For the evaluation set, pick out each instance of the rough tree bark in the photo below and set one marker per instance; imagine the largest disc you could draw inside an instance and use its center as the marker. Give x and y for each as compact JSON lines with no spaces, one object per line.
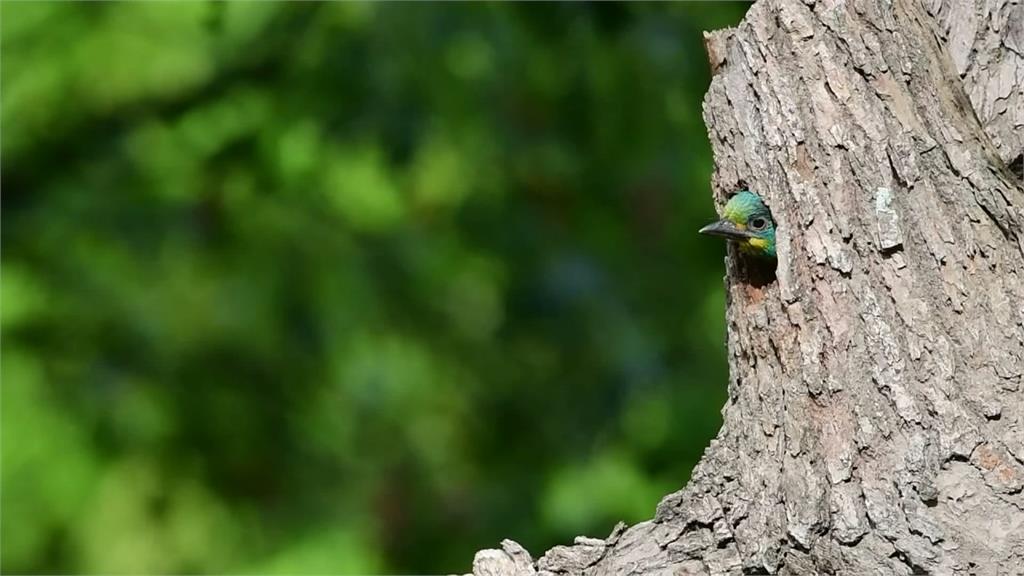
{"x":875,"y":421}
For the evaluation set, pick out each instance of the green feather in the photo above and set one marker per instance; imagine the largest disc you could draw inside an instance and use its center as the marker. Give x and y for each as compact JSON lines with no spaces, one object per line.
{"x":748,"y":222}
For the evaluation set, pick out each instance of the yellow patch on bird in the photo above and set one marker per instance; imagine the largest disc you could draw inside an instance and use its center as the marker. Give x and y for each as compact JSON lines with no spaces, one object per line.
{"x":758,"y":243}
{"x":736,"y":216}
{"x":746,"y":248}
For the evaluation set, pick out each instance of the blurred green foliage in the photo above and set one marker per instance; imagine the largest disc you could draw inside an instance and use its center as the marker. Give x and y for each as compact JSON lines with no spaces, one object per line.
{"x":350,"y":287}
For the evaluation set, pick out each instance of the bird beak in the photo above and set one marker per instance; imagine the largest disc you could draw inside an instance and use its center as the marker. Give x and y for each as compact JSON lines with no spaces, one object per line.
{"x":725,"y":229}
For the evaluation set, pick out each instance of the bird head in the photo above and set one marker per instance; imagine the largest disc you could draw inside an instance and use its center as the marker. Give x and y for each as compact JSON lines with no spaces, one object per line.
{"x":746,"y":221}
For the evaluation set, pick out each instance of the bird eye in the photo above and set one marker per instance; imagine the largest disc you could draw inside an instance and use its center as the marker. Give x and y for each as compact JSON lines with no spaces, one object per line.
{"x":758,"y":223}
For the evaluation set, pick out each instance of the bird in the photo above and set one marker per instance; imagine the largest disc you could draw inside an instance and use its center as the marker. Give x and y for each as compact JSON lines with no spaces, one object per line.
{"x":747,"y":222}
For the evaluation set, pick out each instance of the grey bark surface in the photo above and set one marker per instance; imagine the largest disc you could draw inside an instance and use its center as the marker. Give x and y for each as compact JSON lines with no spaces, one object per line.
{"x":875,"y":419}
{"x":985,"y":41}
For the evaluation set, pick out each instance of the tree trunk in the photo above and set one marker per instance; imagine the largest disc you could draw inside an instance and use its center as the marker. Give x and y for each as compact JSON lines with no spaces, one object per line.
{"x":875,"y":421}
